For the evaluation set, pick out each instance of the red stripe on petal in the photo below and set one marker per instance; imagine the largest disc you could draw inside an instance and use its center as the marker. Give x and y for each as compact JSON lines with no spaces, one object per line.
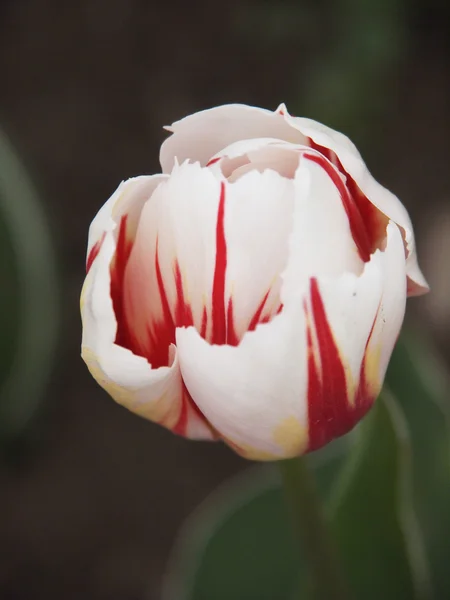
{"x":183,"y":311}
{"x":232,"y":337}
{"x":375,"y":221}
{"x":167,"y":316}
{"x":367,"y":223}
{"x":180,"y":427}
{"x":213,"y":161}
{"x":94,"y":253}
{"x":162,"y":331}
{"x":257,"y":316}
{"x":188,"y":411}
{"x":219,"y":323}
{"x":118,"y":266}
{"x":329,"y":412}
{"x":317,"y":434}
{"x":357,"y":226}
{"x":204,"y":324}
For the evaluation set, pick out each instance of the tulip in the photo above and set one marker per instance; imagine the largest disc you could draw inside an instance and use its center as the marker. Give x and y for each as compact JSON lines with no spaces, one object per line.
{"x":252,"y":292}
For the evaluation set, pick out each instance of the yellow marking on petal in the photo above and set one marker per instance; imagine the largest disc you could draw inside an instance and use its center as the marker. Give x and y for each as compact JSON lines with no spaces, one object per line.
{"x":250,"y":453}
{"x":291,"y":436}
{"x":352,"y":383}
{"x":160,"y":411}
{"x":83,"y":298}
{"x":351,"y":388}
{"x":372,"y":370}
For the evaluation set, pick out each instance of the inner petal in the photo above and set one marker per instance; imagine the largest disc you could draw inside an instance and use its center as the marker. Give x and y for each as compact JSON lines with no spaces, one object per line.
{"x":125,"y":207}
{"x":258,"y":223}
{"x":281,"y":158}
{"x":169,"y":276}
{"x":367,"y":222}
{"x":322,"y":243}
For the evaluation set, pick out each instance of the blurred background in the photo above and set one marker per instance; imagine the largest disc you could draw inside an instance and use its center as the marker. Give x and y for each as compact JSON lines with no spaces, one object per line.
{"x":91,"y":496}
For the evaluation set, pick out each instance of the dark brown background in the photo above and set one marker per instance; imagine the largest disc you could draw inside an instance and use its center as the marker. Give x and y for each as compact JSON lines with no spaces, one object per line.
{"x":92,"y":509}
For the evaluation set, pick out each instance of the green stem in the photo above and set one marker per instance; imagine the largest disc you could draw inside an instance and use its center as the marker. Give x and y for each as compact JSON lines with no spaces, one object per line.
{"x":311,"y":529}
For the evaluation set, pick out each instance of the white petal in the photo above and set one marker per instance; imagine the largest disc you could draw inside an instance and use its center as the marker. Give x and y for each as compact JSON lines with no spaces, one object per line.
{"x":182,"y":215}
{"x":379,"y":196}
{"x":200,"y":136}
{"x":323,"y":243}
{"x":253,"y":394}
{"x":258,"y":222}
{"x":154,"y":394}
{"x":392,"y":309}
{"x":372,"y":305}
{"x":129,"y":198}
{"x":258,"y":154}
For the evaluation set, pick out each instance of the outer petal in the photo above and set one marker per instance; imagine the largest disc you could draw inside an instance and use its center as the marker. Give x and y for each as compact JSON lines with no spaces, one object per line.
{"x":202,"y":135}
{"x":355,"y":313}
{"x":157,"y":394}
{"x":355,"y":323}
{"x":390,"y":313}
{"x":378,"y":195}
{"x":253,"y":394}
{"x":323,"y":243}
{"x":128,"y":199}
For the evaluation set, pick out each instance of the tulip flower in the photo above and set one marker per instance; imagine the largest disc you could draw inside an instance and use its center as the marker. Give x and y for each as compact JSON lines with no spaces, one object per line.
{"x":252,"y":292}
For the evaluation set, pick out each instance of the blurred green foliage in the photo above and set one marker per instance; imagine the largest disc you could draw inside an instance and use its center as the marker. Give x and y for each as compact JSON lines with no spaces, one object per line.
{"x":366,"y":45}
{"x":29,"y":299}
{"x":421,"y":385}
{"x":372,"y":515}
{"x":9,"y":314}
{"x":354,"y":51}
{"x":240,"y":547}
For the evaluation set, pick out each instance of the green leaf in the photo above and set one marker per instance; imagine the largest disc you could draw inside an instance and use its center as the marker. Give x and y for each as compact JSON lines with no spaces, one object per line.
{"x":249,"y":552}
{"x":421,"y":384}
{"x":372,"y":512}
{"x":239,"y":544}
{"x":9,"y":306}
{"x":29,"y":301}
